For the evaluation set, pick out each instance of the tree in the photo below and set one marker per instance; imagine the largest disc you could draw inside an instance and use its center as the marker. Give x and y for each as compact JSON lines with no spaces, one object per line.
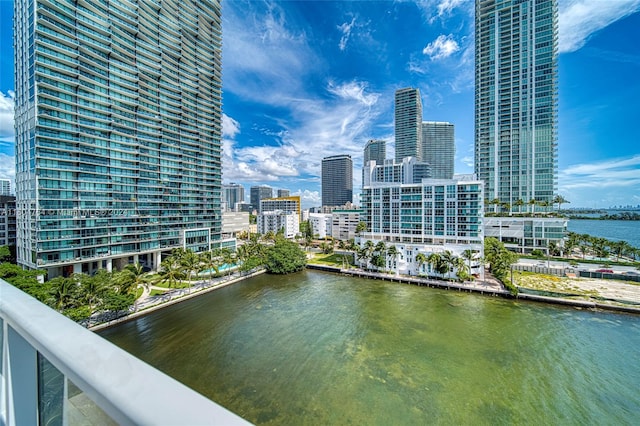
{"x":468,"y":255}
{"x":559,"y":200}
{"x":437,"y":264}
{"x":131,"y":278}
{"x":361,"y":227}
{"x":5,"y":254}
{"x":421,"y":259}
{"x":285,"y":257}
{"x":532,"y":203}
{"x":495,"y":202}
{"x":393,"y":252}
{"x":519,"y":203}
{"x":171,"y":272}
{"x":190,"y":263}
{"x":500,"y":259}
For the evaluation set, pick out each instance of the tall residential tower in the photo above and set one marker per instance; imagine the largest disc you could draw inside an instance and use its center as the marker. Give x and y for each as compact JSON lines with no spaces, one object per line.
{"x":438,"y":148}
{"x":118,"y":128}
{"x":337,"y":180}
{"x":516,"y":99}
{"x":376,"y":150}
{"x":408,"y":124}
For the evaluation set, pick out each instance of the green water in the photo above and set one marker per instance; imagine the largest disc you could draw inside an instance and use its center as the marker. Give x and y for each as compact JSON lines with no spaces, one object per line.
{"x":314,"y":348}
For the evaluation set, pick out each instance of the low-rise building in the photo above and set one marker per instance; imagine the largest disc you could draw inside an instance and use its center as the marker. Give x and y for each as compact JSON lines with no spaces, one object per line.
{"x":286,"y":221}
{"x":7,"y":220}
{"x":321,"y":224}
{"x":345,"y":223}
{"x":525,"y":234}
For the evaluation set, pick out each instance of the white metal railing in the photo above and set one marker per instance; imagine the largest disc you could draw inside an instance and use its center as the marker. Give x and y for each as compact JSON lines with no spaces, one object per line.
{"x":113,"y":382}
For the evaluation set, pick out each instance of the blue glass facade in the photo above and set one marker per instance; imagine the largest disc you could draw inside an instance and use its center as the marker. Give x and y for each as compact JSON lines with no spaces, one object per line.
{"x":516,"y":99}
{"x":118,"y":127}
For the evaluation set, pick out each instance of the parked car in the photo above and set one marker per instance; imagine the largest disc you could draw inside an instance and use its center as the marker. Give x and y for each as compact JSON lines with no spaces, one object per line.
{"x":635,"y":273}
{"x":605,"y":271}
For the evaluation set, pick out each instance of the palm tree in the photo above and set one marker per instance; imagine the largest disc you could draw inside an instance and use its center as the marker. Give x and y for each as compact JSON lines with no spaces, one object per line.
{"x":619,"y":248}
{"x":560,"y":200}
{"x":393,"y":252}
{"x":363,"y":254}
{"x":532,"y":203}
{"x":62,"y":292}
{"x":449,"y":261}
{"x":190,"y":261}
{"x":468,"y":255}
{"x":421,"y":259}
{"x":211,"y":260}
{"x":171,"y":272}
{"x":495,"y":202}
{"x":228,"y":257}
{"x":437,"y":264}
{"x":519,"y":203}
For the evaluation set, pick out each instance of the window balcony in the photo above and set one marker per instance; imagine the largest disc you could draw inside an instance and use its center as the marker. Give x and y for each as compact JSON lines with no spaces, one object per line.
{"x":51,"y":365}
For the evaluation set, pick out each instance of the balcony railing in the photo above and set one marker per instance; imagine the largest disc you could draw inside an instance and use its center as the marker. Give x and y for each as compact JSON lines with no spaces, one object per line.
{"x":52,"y":369}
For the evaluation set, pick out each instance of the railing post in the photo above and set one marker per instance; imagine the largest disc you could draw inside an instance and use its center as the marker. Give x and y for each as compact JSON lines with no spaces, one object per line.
{"x":22,"y":381}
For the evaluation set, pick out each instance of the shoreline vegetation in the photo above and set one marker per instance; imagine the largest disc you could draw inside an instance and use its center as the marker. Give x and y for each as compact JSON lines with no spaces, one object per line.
{"x":126,"y":294}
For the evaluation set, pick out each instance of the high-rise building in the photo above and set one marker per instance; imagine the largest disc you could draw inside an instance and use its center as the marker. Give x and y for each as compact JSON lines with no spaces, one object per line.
{"x":283,"y":193}
{"x":5,"y":187}
{"x":258,"y":193}
{"x":337,"y":180}
{"x":408,"y":123}
{"x":376,"y":150}
{"x":118,"y":129}
{"x":516,"y":99}
{"x":232,"y":194}
{"x":438,"y":148}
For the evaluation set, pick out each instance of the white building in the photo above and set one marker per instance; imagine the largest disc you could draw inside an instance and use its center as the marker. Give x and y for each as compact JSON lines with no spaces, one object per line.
{"x":429,"y":216}
{"x":345,"y":223}
{"x":321,"y":224}
{"x":524,"y":234}
{"x":275,"y":221}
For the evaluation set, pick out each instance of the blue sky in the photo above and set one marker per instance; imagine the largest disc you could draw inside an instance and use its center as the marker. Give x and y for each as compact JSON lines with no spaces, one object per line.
{"x":307,"y":79}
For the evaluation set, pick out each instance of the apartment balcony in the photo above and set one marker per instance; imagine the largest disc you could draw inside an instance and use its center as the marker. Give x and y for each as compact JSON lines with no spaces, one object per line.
{"x":52,"y":369}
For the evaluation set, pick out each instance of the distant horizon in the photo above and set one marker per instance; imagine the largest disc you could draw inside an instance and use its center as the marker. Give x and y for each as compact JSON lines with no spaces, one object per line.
{"x":303,"y":80}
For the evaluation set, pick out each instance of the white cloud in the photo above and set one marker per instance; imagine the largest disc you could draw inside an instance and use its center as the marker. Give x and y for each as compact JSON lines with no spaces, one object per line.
{"x":309,"y":198}
{"x":445,"y":7}
{"x":442,"y":47}
{"x":230,"y":127}
{"x":7,"y":130}
{"x":617,"y":172}
{"x":8,"y":168}
{"x":578,"y":20}
{"x":346,"y":28}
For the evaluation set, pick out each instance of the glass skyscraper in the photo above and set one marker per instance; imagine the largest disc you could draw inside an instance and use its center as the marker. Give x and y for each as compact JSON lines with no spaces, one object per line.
{"x":408,"y":124}
{"x":439,"y":148}
{"x":516,"y":99}
{"x":337,"y":180}
{"x":376,"y":150}
{"x":118,"y":127}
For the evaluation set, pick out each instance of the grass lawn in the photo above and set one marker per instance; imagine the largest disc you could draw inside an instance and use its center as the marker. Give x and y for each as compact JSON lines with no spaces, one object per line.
{"x":179,"y":284}
{"x":332,"y":259}
{"x":551,"y":283}
{"x":155,"y":292}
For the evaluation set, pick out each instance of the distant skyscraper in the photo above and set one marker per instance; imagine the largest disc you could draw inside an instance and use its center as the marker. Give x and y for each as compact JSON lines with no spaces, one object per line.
{"x":232,"y":194}
{"x":284,"y":193}
{"x":438,"y":148}
{"x":118,"y":126}
{"x":516,"y":99}
{"x":408,"y":124}
{"x":376,"y":149}
{"x":258,"y":193}
{"x":337,"y":180}
{"x":5,"y":187}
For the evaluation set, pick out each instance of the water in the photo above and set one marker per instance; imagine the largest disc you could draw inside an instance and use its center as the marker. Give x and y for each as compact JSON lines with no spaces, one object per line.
{"x":615,"y":230}
{"x":314,"y":348}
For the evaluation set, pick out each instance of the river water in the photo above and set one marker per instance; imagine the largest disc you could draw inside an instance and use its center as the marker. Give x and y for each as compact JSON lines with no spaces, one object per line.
{"x":615,"y":230}
{"x":319,"y":349}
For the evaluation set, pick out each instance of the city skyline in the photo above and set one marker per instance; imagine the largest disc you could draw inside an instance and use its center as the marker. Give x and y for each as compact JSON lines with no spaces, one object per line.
{"x":326,"y":87}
